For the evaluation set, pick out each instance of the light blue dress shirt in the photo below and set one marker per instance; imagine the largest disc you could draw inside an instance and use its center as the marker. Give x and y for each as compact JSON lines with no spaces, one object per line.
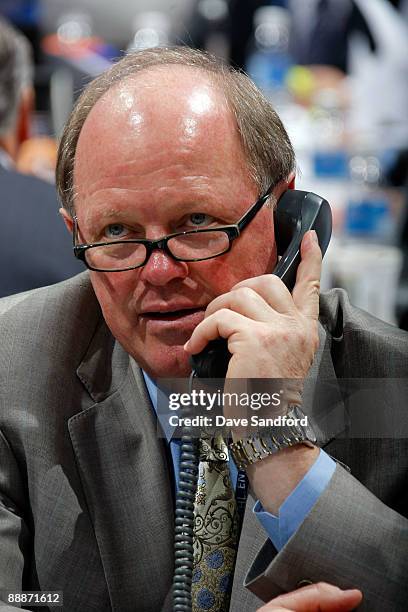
{"x":296,"y":506}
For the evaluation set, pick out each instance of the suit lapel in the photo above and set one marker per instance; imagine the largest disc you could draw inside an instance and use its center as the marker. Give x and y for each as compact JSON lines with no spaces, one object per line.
{"x":123,"y":470}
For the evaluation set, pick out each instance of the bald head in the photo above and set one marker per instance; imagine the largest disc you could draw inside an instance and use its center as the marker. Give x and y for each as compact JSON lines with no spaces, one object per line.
{"x":162,"y":112}
{"x":176,"y":99}
{"x":268,"y":152}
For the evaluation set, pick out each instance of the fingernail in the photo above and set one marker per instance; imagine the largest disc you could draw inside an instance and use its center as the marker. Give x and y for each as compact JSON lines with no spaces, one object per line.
{"x":313,"y":236}
{"x":185,"y":347}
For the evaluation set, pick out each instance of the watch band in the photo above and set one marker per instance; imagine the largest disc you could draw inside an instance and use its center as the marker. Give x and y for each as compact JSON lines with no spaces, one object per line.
{"x":273,"y":439}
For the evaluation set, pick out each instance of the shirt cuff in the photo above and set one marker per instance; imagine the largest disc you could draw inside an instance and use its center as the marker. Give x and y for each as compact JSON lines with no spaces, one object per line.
{"x":298,"y":504}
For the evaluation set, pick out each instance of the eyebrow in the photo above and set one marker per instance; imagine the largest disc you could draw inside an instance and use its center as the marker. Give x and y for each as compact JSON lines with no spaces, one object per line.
{"x":130,"y":214}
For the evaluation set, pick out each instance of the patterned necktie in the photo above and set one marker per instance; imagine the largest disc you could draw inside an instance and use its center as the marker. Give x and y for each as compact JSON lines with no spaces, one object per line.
{"x":216,"y":527}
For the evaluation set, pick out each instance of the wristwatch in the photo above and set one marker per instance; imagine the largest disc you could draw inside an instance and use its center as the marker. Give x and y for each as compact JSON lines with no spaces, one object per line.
{"x":295,"y":429}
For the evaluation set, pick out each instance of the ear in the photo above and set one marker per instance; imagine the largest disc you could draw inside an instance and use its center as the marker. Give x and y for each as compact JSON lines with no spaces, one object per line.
{"x":292,"y":181}
{"x":284,"y":185}
{"x":69,"y":222}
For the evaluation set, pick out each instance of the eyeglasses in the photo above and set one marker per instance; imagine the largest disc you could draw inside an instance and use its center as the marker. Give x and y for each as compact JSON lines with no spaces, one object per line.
{"x":191,"y":245}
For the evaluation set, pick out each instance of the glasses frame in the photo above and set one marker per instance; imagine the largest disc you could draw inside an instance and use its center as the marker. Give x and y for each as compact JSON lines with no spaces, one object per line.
{"x":233,"y":231}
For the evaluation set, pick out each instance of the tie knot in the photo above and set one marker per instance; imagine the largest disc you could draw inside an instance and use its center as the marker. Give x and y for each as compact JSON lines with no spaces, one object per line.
{"x":213,"y":449}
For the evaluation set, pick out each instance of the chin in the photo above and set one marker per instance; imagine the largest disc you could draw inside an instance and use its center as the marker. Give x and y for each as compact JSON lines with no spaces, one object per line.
{"x":167,"y":362}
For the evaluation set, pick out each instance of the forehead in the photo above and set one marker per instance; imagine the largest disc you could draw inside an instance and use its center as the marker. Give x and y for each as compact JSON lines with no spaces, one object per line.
{"x":164,"y":135}
{"x":172,"y":114}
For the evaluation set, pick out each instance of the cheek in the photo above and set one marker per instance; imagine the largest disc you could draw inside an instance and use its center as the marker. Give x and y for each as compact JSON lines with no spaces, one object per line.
{"x":254,"y":262}
{"x":114,"y":291}
{"x":254,"y":253}
{"x":247,"y":258}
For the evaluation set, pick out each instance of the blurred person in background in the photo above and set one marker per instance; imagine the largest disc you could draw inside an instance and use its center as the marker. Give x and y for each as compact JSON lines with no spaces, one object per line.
{"x":34,"y":250}
{"x":38,"y":156}
{"x":319,"y":31}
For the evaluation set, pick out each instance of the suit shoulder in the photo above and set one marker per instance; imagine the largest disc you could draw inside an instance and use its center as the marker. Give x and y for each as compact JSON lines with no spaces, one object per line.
{"x":17,"y":305}
{"x":370,"y":346}
{"x":54,"y":321}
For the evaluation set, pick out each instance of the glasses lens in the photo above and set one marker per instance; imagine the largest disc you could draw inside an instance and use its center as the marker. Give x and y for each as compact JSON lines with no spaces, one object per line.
{"x":199,"y":245}
{"x":116,"y":256}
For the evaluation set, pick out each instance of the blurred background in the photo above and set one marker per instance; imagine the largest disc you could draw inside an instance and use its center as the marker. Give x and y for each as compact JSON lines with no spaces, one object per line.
{"x":336,"y":71}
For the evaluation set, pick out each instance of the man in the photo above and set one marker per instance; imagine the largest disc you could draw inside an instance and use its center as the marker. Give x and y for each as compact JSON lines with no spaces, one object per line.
{"x":31,"y":257}
{"x":168,"y":141}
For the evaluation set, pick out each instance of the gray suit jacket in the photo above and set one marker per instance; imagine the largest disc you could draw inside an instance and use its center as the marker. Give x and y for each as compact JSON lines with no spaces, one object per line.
{"x":85,"y":495}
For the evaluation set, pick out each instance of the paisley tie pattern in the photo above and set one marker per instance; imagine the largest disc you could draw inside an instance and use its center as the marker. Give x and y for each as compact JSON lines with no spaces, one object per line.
{"x":215,"y":529}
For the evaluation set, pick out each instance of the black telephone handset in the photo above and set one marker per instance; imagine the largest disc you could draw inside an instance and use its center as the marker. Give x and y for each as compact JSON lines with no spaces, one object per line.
{"x":295,"y":214}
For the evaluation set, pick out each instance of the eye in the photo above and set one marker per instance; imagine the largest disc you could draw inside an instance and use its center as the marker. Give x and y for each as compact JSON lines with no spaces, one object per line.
{"x":115,"y":230}
{"x":199,"y":219}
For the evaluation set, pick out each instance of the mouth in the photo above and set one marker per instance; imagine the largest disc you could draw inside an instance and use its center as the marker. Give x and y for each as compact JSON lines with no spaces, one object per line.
{"x":171,"y":315}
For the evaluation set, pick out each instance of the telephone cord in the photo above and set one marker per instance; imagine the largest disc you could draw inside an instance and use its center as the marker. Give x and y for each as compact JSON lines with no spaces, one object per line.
{"x":184,"y":522}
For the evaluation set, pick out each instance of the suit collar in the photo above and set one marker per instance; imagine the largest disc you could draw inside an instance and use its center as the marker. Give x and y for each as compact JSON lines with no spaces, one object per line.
{"x":105,"y":366}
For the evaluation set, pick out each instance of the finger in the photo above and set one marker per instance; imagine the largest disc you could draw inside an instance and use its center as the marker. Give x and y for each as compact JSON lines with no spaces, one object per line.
{"x":307,"y":288}
{"x":272,"y":289}
{"x":224,"y":323}
{"x":273,"y":608}
{"x":321,"y":597}
{"x":243,"y":300}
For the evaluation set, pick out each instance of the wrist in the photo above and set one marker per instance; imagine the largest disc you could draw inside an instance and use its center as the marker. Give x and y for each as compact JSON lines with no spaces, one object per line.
{"x":273,"y":480}
{"x":281,"y":433}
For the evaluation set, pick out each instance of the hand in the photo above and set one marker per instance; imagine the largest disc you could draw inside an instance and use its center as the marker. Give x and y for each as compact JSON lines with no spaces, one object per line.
{"x":320,"y":597}
{"x":270,"y":333}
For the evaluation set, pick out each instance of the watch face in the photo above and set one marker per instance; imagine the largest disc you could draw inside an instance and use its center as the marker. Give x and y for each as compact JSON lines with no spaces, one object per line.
{"x":307,"y":429}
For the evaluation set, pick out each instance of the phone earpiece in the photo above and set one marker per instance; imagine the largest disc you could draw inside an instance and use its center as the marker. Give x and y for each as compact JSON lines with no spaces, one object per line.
{"x":296,"y":213}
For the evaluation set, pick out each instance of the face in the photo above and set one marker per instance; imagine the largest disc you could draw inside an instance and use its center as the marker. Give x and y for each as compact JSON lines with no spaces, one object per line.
{"x":159,"y":154}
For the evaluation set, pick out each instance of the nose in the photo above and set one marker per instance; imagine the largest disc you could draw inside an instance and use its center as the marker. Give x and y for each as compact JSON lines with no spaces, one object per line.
{"x":161,"y":269}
